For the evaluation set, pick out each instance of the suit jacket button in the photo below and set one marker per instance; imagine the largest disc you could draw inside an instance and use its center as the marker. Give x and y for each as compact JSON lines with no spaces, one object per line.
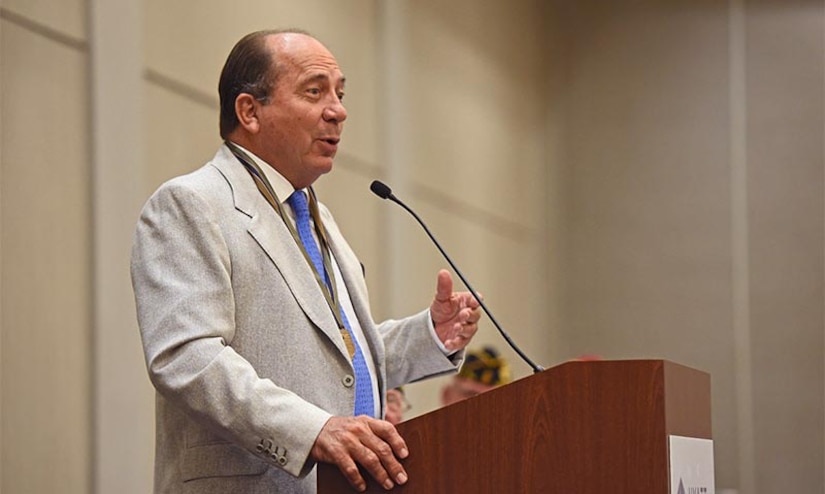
{"x":282,"y":460}
{"x":348,"y":381}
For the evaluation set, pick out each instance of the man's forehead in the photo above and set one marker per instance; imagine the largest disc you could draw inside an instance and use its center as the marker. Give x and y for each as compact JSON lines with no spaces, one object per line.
{"x":297,"y":46}
{"x":306,"y":54}
{"x":288,"y":40}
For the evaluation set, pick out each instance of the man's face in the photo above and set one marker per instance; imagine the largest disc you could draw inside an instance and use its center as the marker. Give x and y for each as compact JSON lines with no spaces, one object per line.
{"x":301,"y":124}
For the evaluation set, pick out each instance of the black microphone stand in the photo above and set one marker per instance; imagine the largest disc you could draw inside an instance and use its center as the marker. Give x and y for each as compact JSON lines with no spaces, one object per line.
{"x":383,"y":191}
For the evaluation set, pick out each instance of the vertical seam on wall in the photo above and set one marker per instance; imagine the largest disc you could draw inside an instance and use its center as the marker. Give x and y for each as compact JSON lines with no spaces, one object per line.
{"x":118,"y":178}
{"x":1,"y":273}
{"x":737,"y":43}
{"x":395,"y":154}
{"x":94,"y":289}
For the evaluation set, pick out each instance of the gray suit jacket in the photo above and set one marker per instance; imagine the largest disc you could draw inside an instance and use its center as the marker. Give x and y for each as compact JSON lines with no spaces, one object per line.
{"x":243,"y":350}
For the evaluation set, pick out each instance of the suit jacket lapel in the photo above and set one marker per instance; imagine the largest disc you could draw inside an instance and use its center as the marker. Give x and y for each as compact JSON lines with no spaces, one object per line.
{"x":269,"y":231}
{"x":356,"y":286}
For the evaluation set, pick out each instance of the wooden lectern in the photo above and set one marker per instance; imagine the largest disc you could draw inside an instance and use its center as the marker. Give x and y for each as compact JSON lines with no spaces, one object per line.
{"x":578,"y":428}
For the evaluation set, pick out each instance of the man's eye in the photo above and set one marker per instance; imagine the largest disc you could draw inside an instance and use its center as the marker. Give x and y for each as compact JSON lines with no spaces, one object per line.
{"x":314,"y":91}
{"x":341,"y":96}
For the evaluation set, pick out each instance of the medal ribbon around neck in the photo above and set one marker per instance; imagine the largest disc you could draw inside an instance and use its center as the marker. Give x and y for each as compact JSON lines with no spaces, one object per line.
{"x":265,"y":188}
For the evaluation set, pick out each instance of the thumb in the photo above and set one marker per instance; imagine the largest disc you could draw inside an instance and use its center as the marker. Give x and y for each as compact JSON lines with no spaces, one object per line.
{"x":444,"y":286}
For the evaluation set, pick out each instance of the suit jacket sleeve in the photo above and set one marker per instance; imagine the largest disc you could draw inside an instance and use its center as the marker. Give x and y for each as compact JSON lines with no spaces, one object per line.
{"x":181,"y":274}
{"x":407,"y":350}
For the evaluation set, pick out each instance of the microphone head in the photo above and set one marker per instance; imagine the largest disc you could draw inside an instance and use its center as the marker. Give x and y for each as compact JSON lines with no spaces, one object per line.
{"x":380,"y":189}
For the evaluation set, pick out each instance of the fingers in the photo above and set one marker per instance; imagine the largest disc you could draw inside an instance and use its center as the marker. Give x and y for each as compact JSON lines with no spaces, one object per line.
{"x":444,"y":292}
{"x":374,"y":444}
{"x":462,"y":330}
{"x":472,"y":302}
{"x":447,"y":301}
{"x":388,"y":433}
{"x":388,"y":446}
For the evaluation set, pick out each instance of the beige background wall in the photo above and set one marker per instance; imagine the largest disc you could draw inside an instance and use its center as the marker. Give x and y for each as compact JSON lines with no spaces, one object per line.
{"x":45,"y":269}
{"x":634,"y":179}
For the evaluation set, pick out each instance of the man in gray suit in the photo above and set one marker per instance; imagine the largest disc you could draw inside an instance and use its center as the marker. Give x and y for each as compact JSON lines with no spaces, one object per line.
{"x":253,"y":309}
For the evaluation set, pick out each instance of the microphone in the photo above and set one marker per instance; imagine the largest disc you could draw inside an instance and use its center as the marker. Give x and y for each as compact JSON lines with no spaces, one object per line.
{"x":384,"y":192}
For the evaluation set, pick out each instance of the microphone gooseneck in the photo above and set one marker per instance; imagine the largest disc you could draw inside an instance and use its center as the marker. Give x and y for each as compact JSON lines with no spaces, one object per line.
{"x":384,"y":192}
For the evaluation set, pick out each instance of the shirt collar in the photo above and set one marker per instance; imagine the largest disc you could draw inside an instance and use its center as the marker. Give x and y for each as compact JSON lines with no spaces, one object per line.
{"x":283,"y":189}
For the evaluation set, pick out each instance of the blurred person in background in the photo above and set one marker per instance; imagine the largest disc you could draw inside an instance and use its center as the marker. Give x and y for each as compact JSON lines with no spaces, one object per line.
{"x":397,"y":405}
{"x":483,"y":370}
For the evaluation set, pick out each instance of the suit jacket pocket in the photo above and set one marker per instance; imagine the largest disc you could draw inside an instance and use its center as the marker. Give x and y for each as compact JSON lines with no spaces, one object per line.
{"x":220,"y":460}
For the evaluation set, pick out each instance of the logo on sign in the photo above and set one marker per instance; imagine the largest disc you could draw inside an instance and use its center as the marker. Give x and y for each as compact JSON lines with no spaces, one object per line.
{"x":690,"y":489}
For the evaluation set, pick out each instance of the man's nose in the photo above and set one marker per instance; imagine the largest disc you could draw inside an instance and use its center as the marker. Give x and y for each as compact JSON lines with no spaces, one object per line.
{"x":336,"y":112}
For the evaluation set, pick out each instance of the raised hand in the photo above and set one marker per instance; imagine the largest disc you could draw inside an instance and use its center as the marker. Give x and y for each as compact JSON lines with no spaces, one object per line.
{"x":455,"y":315}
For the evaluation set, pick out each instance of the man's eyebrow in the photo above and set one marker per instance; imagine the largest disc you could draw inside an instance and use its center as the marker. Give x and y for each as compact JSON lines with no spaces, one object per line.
{"x":321,"y":77}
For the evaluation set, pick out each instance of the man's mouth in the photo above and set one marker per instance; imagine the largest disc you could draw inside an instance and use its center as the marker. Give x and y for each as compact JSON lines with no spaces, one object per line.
{"x":329,"y":145}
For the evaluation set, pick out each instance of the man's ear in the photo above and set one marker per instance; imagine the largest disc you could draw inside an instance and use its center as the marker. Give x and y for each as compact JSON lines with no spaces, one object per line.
{"x":246,"y":109}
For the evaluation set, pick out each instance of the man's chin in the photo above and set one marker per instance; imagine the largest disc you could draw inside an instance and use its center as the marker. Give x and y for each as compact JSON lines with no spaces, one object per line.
{"x":318,"y":167}
{"x":324,"y":165}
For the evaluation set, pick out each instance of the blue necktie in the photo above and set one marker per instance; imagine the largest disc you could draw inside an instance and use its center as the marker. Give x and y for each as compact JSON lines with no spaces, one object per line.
{"x":364,"y":402}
